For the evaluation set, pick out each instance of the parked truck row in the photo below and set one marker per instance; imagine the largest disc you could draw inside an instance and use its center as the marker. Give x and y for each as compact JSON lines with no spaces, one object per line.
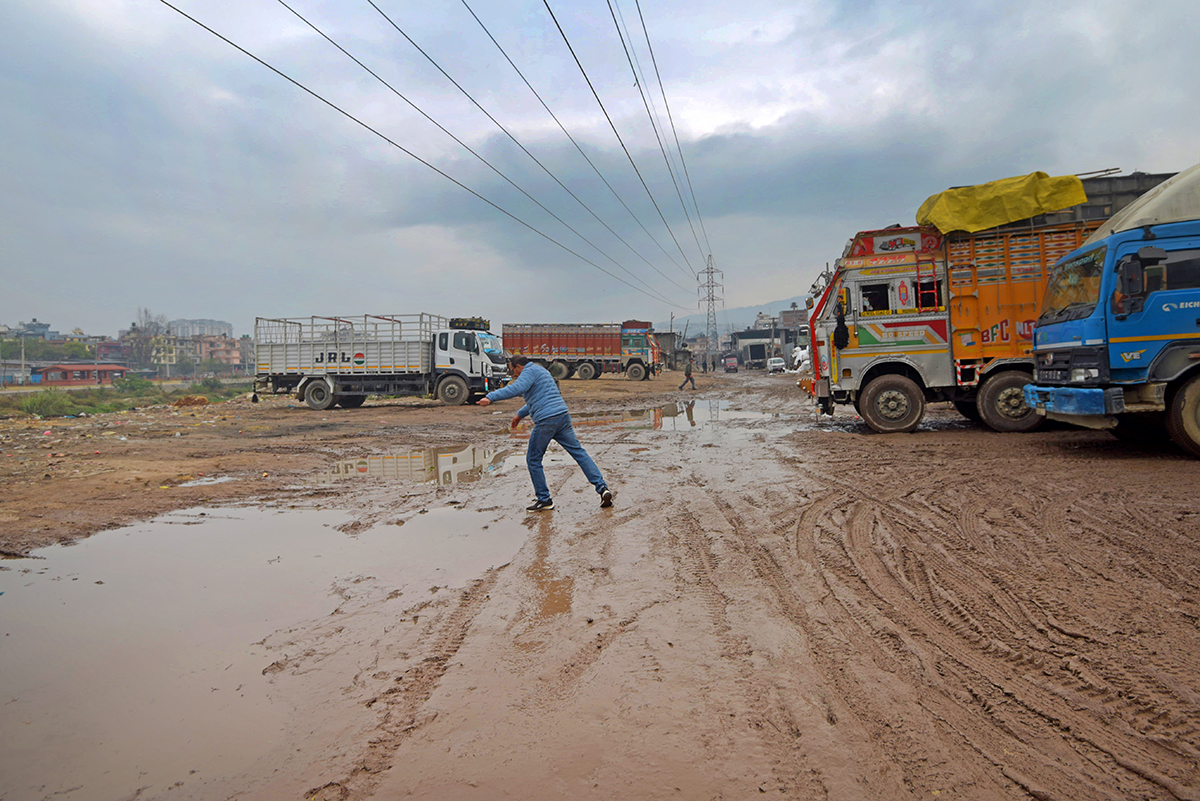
{"x":328,"y":361}
{"x":946,"y":311}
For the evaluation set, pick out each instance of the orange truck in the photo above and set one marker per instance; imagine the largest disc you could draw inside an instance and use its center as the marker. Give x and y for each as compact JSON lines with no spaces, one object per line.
{"x":944,"y":310}
{"x":585,"y":350}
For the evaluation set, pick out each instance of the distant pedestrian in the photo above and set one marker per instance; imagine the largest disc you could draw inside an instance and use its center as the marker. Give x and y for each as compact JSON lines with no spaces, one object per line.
{"x":551,"y":421}
{"x":687,"y":375}
{"x":704,"y":365}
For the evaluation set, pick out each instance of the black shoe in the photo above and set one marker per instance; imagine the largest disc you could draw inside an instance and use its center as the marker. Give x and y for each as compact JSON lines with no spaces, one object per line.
{"x":540,"y":506}
{"x":606,"y":497}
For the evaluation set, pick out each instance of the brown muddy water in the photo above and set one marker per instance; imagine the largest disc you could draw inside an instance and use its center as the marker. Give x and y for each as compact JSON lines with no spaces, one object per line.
{"x":132,"y":661}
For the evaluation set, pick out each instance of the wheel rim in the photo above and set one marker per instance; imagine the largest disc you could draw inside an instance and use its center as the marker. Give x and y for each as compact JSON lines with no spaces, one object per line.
{"x":451,"y":392}
{"x":1011,"y":403}
{"x":892,"y":404}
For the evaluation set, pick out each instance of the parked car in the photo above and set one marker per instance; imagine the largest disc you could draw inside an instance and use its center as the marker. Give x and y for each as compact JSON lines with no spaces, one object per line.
{"x":731,"y":364}
{"x":776,"y":365}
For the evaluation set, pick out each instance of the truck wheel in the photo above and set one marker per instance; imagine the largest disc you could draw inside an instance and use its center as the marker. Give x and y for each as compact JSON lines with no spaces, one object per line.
{"x":635,"y":372}
{"x":892,"y":404}
{"x":586,"y":371}
{"x":318,"y":396}
{"x":560,"y":370}
{"x":1002,"y":403}
{"x":1183,"y":418}
{"x":453,"y":391}
{"x":351,"y":401}
{"x":969,"y":409}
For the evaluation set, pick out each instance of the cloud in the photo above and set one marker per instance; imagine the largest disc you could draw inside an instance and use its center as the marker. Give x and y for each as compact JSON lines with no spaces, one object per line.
{"x":149,"y":164}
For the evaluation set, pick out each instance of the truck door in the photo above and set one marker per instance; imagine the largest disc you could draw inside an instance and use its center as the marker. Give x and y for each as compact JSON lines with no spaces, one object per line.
{"x":465,"y":352}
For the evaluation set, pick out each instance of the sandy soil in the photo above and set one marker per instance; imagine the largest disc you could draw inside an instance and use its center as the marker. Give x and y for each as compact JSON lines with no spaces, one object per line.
{"x":773,"y":607}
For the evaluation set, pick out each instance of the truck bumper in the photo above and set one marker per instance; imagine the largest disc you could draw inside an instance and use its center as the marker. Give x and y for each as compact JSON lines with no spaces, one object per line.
{"x":1092,"y":407}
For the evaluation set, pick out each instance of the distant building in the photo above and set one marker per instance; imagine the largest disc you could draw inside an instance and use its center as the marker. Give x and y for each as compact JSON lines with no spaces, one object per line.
{"x":36,"y":330}
{"x":200,"y":328}
{"x":59,"y":375}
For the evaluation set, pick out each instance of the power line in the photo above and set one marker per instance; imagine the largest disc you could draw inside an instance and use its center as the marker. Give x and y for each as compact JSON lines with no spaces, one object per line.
{"x":403,"y":149}
{"x":466,"y":147}
{"x":618,"y":135}
{"x":638,"y":80}
{"x":679,"y":147}
{"x":497,"y":123}
{"x":591,"y":164}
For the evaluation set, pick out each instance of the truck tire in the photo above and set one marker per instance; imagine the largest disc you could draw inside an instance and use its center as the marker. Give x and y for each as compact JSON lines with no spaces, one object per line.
{"x":892,"y":404}
{"x":969,"y":409}
{"x":1183,"y":417}
{"x":453,"y":391}
{"x":586,"y":371}
{"x":635,"y":372}
{"x":351,"y":401}
{"x":1002,"y":406}
{"x":318,"y":396}
{"x":560,"y":370}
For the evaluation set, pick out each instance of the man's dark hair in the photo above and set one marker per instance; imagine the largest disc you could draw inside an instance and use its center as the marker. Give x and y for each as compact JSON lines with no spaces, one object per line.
{"x":518,"y":361}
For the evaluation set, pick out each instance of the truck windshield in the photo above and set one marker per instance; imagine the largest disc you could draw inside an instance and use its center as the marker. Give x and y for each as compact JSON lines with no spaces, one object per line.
{"x":1074,"y":287}
{"x":492,"y":347}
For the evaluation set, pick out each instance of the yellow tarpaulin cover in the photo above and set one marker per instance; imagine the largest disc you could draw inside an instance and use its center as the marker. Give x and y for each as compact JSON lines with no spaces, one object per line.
{"x":974,"y":208}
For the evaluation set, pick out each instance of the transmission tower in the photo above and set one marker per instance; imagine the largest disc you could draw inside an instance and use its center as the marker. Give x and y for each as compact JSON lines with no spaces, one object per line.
{"x":710,"y":294}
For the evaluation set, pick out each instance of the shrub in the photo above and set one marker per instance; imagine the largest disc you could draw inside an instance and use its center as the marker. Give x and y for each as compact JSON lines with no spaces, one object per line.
{"x":133,"y":383}
{"x":213,"y":383}
{"x":48,"y":403}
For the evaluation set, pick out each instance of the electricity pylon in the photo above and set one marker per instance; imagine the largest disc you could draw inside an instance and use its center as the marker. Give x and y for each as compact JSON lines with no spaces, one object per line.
{"x":710,"y":294}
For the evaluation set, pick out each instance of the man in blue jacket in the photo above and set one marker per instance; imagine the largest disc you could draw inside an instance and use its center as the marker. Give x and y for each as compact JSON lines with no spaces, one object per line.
{"x":551,"y":420}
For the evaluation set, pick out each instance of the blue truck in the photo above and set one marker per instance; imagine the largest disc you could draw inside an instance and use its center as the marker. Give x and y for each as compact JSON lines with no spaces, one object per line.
{"x":1117,"y":345}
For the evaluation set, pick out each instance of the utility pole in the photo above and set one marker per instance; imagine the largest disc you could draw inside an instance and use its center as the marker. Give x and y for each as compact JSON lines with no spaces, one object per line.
{"x":710,"y":293}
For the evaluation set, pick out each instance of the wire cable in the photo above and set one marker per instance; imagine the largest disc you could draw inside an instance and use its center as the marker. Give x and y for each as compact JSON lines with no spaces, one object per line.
{"x":404,"y":150}
{"x":618,"y":135}
{"x":465,"y":146}
{"x":497,"y":123}
{"x":638,"y":80}
{"x":679,"y":147}
{"x":591,"y":164}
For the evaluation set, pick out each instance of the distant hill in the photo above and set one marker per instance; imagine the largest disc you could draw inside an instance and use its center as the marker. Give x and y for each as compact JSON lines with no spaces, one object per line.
{"x":737,"y":319}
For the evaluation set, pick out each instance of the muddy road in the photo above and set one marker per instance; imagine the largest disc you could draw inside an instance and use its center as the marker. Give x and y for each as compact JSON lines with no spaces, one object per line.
{"x":776,"y":605}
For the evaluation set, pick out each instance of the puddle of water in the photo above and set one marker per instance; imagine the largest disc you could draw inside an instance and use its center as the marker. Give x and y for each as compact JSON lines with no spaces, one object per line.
{"x":206,"y":480}
{"x":446,"y":465}
{"x":128,"y":660}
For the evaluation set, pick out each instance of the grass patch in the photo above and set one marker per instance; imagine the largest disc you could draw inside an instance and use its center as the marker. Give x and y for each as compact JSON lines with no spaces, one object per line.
{"x":130,"y":393}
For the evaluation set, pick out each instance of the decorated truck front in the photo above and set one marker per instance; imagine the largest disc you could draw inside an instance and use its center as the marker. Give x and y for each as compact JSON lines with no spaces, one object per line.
{"x":912,"y":315}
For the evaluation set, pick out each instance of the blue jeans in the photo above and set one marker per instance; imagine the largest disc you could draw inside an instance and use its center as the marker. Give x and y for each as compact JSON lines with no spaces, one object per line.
{"x":687,"y":379}
{"x":558,"y":428}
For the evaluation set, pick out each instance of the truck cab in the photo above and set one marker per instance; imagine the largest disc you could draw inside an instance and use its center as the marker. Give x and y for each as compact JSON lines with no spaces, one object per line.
{"x":1117,"y":345}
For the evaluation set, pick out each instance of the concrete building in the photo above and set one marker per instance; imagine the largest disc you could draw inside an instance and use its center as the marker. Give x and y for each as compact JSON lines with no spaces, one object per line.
{"x":200,"y":328}
{"x":64,"y":375}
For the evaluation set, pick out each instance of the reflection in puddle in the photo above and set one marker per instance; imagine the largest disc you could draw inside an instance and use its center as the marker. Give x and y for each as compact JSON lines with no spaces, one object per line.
{"x":446,"y":465}
{"x":129,"y":660}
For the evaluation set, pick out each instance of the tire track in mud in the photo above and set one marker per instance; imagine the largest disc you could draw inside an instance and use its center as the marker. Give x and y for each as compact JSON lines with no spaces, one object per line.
{"x":403,"y":702}
{"x":1012,"y":645}
{"x":699,"y":564}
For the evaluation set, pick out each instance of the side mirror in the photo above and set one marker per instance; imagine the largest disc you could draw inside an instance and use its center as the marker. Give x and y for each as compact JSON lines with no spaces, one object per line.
{"x":1132,"y":274}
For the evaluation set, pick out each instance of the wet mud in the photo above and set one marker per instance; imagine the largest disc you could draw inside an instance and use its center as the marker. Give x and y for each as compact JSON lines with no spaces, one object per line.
{"x":777,"y":604}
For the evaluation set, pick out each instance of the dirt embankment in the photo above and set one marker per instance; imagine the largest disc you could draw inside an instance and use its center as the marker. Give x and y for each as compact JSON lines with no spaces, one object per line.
{"x":774,"y":606}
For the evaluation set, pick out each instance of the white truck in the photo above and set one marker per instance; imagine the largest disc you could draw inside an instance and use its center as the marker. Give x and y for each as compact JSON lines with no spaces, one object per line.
{"x":342,"y":360}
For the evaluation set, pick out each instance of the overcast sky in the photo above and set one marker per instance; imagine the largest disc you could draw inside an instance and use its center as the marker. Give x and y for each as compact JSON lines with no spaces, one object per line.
{"x":144,"y":162}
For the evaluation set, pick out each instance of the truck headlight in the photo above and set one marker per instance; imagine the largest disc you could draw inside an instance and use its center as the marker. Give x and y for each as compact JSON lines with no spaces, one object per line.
{"x":1084,"y":373}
